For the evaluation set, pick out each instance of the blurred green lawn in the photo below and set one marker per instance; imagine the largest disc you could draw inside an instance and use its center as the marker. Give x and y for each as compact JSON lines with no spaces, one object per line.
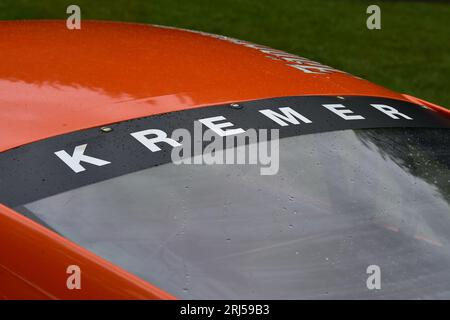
{"x":410,"y":54}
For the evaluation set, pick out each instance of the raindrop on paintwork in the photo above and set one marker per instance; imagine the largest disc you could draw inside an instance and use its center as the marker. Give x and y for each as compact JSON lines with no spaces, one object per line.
{"x":291,"y":226}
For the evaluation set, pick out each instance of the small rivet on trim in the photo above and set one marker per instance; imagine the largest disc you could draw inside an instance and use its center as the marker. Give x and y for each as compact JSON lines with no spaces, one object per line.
{"x":106,"y":129}
{"x":236,"y":106}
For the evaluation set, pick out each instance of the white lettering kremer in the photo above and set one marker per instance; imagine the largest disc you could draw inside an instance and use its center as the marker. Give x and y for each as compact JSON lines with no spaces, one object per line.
{"x":73,"y":161}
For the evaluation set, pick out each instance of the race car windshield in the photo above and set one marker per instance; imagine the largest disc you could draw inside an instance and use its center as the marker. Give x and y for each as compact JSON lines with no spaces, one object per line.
{"x":341,"y":203}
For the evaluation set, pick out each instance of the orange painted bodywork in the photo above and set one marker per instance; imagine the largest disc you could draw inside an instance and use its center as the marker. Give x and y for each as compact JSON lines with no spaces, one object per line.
{"x":54,"y":81}
{"x":34,"y":260}
{"x":435,"y":107}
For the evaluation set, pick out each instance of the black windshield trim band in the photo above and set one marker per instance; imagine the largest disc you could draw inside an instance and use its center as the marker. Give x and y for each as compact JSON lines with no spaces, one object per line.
{"x":32,"y":172}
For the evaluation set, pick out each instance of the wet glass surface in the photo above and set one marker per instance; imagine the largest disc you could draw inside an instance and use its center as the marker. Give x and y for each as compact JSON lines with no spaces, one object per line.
{"x":340,"y":202}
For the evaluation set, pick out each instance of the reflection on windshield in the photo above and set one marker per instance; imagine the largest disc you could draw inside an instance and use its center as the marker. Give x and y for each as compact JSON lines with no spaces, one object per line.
{"x":341,"y":201}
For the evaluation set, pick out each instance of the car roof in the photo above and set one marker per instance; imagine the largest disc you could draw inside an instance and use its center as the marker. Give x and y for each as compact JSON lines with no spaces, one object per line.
{"x":54,"y":80}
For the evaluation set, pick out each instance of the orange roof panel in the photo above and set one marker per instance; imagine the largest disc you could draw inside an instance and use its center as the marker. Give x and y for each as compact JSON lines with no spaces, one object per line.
{"x":54,"y":80}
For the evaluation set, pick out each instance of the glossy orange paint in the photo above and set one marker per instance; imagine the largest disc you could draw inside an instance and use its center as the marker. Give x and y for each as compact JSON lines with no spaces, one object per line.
{"x":54,"y":80}
{"x":435,"y":107}
{"x":33,"y":263}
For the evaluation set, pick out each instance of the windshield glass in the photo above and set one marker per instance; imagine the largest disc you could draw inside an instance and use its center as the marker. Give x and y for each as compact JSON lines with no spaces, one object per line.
{"x":340,"y":202}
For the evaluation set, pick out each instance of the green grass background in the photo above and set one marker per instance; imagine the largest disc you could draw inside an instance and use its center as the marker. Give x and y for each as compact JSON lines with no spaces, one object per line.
{"x":410,"y":54}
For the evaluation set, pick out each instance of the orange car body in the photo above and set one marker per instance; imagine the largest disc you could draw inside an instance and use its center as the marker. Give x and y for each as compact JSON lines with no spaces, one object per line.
{"x":55,"y":81}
